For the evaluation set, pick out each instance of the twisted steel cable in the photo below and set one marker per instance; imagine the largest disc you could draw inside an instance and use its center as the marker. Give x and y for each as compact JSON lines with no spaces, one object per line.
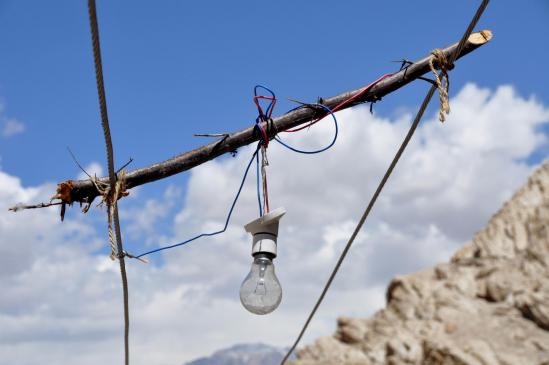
{"x":112,"y":174}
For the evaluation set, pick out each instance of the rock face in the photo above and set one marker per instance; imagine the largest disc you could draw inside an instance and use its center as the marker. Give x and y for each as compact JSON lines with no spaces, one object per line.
{"x":488,"y":306}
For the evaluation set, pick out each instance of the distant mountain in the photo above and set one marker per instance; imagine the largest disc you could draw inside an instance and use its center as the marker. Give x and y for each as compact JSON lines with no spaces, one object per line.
{"x":243,"y":354}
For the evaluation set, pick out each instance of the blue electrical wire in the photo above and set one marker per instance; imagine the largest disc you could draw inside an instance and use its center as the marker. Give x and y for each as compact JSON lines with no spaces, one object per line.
{"x":315,"y":151}
{"x":269,"y":110}
{"x":226,"y":221}
{"x":256,"y":157}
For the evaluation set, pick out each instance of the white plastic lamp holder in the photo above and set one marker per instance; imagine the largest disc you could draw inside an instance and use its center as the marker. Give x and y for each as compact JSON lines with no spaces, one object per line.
{"x":265,"y":232}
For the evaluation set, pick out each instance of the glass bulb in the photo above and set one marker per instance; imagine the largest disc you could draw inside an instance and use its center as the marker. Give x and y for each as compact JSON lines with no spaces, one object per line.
{"x":261,"y":292}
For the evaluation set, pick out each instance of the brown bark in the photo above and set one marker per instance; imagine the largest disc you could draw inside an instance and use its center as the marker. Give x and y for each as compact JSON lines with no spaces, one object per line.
{"x":84,"y":191}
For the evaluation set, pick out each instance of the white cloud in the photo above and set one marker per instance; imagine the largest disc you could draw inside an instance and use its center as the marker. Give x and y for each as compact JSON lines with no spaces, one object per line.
{"x":12,"y":127}
{"x":142,"y":220}
{"x":447,"y":185}
{"x":61,"y":303}
{"x":93,"y":169}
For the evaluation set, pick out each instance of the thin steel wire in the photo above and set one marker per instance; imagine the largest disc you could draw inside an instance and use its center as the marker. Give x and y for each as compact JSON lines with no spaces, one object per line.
{"x":363,"y":218}
{"x":373,"y":200}
{"x":112,"y":174}
{"x":468,"y":31}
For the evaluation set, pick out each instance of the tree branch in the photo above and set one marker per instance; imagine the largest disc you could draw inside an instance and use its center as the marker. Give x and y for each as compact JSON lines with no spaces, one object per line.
{"x":84,"y":191}
{"x":21,"y":206}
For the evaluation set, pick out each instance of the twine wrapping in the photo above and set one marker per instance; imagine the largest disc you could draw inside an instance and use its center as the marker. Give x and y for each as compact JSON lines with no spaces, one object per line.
{"x":442,"y":81}
{"x":110,"y":199}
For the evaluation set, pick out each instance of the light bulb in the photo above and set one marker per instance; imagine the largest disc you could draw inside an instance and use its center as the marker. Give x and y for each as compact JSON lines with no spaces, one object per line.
{"x":260,"y":292}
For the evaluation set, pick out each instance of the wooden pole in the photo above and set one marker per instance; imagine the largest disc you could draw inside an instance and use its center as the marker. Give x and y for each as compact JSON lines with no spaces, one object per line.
{"x":84,"y":191}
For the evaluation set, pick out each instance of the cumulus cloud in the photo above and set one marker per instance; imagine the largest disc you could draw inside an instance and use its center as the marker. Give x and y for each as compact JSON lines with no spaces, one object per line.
{"x":9,"y":127}
{"x":12,"y":127}
{"x":61,"y":301}
{"x":142,"y":220}
{"x":47,"y":278}
{"x":93,"y":169}
{"x":447,"y":185}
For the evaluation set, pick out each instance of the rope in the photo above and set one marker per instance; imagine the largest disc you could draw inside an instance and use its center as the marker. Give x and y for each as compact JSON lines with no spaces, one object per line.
{"x":108,"y":199}
{"x":370,"y":205}
{"x":442,"y":81}
{"x":112,"y":205}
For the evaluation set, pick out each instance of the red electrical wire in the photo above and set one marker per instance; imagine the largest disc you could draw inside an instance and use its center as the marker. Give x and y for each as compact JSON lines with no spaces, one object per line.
{"x":345,"y":102}
{"x":272,"y":99}
{"x":264,"y":117}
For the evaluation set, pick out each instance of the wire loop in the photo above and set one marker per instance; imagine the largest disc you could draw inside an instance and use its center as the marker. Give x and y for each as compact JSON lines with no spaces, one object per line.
{"x":264,"y":116}
{"x":329,"y":112}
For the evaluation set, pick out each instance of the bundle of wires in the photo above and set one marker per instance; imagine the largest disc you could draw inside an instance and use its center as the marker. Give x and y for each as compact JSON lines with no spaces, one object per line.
{"x":261,"y":126}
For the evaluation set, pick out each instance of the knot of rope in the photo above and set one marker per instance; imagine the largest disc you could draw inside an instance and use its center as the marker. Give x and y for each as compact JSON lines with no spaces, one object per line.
{"x":440,"y":61}
{"x":110,"y":198}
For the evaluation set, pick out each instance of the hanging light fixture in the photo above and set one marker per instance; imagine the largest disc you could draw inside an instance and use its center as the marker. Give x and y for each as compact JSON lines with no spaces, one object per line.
{"x":260,"y":292}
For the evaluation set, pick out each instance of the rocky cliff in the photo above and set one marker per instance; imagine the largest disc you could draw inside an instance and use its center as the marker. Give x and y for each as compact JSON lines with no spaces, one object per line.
{"x":488,"y":305}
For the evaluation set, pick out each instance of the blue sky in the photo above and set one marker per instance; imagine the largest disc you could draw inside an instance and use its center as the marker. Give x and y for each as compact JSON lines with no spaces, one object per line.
{"x":176,"y":68}
{"x":179,"y":68}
